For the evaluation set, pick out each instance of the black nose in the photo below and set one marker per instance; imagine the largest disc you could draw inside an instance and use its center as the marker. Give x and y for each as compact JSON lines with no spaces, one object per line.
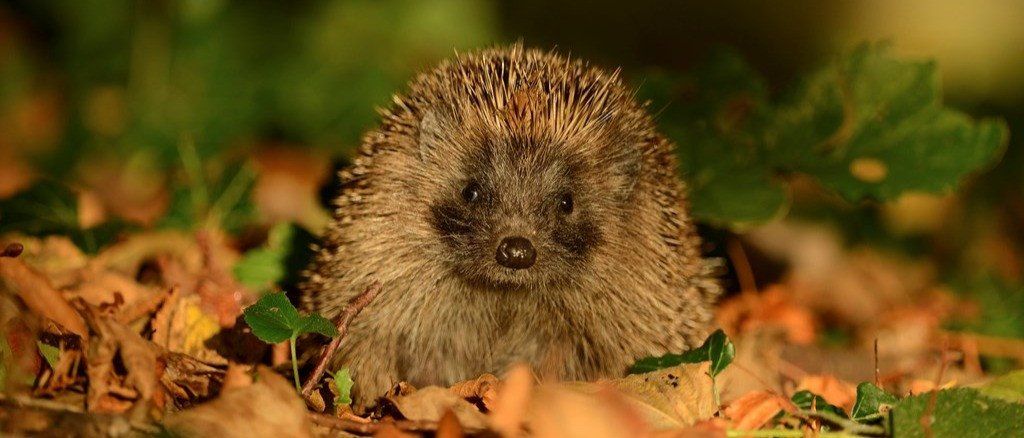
{"x":515,"y":253}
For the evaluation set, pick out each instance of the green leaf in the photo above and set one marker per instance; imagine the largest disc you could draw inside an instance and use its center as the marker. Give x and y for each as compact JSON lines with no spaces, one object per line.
{"x":49,"y":208}
{"x":279,"y":262}
{"x":49,"y":352}
{"x":869,"y":105}
{"x":273,"y":318}
{"x":343,"y":385}
{"x":867,"y":125}
{"x":317,"y":324}
{"x":717,"y":349}
{"x":808,"y":400}
{"x":1009,"y":387}
{"x":959,"y":412}
{"x":870,"y":399}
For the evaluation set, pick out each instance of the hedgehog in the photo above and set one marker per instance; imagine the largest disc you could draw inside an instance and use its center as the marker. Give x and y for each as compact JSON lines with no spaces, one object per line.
{"x":518,"y":206}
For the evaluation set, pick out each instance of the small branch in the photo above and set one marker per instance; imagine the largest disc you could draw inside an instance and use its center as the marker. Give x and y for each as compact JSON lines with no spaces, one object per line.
{"x":848,"y":425}
{"x":369,"y":428}
{"x":342,"y":322}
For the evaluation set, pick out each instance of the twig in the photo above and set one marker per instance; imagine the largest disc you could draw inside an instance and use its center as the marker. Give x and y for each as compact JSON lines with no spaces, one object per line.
{"x":353,"y":426}
{"x":342,"y":322}
{"x":848,"y":425}
{"x":878,"y":380}
{"x":926,"y":416}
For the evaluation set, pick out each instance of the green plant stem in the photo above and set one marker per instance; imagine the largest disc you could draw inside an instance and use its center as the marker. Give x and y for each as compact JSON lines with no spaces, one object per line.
{"x":784,"y":433}
{"x":295,"y":363}
{"x":714,"y":391}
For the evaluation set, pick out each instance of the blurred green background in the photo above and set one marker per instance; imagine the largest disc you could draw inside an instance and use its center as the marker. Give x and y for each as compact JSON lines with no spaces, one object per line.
{"x":145,"y":108}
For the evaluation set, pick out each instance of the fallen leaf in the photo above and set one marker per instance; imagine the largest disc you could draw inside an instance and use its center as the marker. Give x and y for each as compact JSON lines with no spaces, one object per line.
{"x":833,"y":390}
{"x":39,"y":296}
{"x":430,"y":403}
{"x":449,"y":426}
{"x":671,"y":397}
{"x":483,"y":388}
{"x":512,"y":401}
{"x":269,"y":407}
{"x":755,"y":409}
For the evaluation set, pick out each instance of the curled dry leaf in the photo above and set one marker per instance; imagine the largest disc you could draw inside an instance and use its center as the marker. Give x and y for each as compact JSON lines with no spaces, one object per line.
{"x":563,"y":410}
{"x":430,"y":403}
{"x":269,"y":407}
{"x":755,"y":409}
{"x":39,"y":296}
{"x":484,"y":388}
{"x":510,"y":407}
{"x":108,"y":389}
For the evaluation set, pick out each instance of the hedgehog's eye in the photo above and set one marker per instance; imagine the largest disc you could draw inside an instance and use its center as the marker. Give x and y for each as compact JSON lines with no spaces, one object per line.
{"x":471,"y":192}
{"x":565,"y":204}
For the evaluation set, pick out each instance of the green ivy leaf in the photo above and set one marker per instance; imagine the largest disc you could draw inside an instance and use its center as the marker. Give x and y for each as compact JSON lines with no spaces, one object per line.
{"x":959,"y":412}
{"x":274,"y":319}
{"x":870,"y":399}
{"x":717,"y":349}
{"x":343,"y":386}
{"x":49,"y":352}
{"x":1009,"y":387}
{"x":808,"y":400}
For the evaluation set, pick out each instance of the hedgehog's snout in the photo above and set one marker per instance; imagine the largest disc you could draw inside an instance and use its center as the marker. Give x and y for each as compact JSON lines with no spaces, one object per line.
{"x":516,"y":253}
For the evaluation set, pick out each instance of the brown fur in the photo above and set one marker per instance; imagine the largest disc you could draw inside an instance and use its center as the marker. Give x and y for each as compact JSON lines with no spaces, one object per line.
{"x":618,"y":278}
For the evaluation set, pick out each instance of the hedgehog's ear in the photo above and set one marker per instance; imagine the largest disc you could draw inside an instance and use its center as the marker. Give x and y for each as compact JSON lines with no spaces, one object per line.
{"x":429,"y":135}
{"x":625,"y":163}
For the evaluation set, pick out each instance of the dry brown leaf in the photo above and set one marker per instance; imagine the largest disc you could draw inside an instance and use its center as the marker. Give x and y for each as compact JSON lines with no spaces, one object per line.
{"x":512,"y":401}
{"x":484,"y":388}
{"x":269,"y":407}
{"x":773,"y":307}
{"x":430,"y":403}
{"x":449,"y":426}
{"x":140,"y":358}
{"x":560,"y":410}
{"x":833,"y":390}
{"x":673,"y":397}
{"x":754,"y":409}
{"x":39,"y":296}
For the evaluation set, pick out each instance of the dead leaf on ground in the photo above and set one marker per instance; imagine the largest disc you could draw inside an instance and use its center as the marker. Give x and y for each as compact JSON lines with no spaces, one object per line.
{"x":430,"y":403}
{"x":109,"y":390}
{"x":39,"y":296}
{"x":673,"y":397}
{"x":833,"y":390}
{"x":269,"y":407}
{"x":773,"y":307}
{"x":755,"y":409}
{"x":512,"y":401}
{"x":484,"y":388}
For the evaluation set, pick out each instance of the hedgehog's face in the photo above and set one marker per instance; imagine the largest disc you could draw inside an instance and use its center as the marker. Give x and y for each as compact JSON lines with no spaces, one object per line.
{"x":521,"y":213}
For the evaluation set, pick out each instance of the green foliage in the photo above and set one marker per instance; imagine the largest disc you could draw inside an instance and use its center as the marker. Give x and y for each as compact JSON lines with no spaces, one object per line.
{"x":211,"y":199}
{"x":51,"y":208}
{"x":274,"y":319}
{"x":717,"y":349}
{"x":866,"y":126}
{"x":870,"y":400}
{"x":279,"y":261}
{"x":960,"y":412}
{"x":1009,"y":387}
{"x":49,"y":352}
{"x":342,"y":382}
{"x":809,"y":401}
